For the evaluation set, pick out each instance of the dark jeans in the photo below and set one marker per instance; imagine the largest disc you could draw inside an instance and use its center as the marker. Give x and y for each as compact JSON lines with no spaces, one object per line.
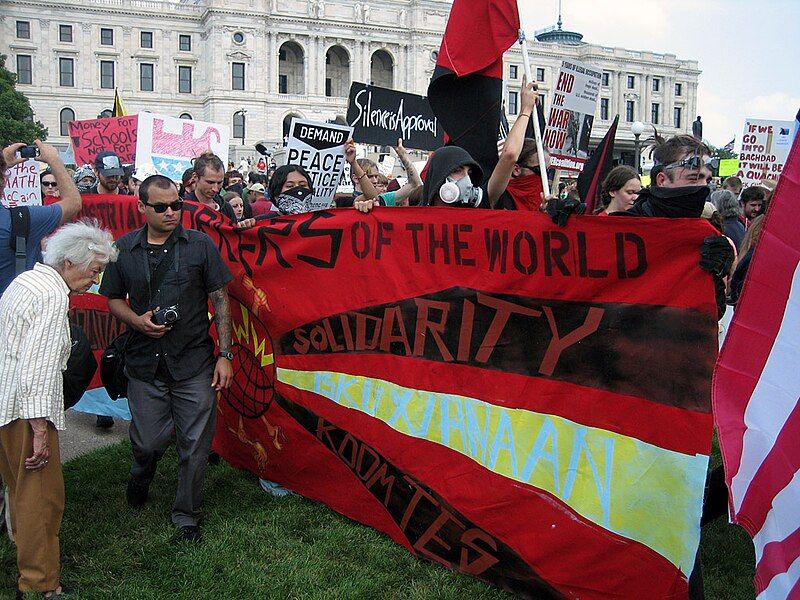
{"x":189,"y":407}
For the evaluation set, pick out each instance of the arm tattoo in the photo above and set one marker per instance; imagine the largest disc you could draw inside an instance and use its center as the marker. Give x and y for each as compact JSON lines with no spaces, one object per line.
{"x":222,"y":317}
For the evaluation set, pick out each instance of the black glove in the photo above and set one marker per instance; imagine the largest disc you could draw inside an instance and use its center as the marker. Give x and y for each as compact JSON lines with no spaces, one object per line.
{"x":560,"y":210}
{"x":716,"y":255}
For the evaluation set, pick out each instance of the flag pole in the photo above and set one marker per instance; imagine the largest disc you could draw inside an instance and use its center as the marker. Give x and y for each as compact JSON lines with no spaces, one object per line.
{"x":537,"y":132}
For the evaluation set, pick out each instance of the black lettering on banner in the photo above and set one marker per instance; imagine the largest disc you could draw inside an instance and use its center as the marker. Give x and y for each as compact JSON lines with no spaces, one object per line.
{"x":434,"y":528}
{"x":100,"y":327}
{"x":496,"y":248}
{"x":624,"y":270}
{"x":360,"y":241}
{"x":334,"y":239}
{"x":530,"y":255}
{"x":415,"y":228}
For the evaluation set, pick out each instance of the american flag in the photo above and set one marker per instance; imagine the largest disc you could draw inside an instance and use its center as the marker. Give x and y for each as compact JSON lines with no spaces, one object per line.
{"x":756,"y":391}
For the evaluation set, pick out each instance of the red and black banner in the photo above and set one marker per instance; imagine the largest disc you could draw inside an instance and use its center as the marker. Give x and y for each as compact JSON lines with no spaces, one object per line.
{"x":525,"y":403}
{"x":466,"y":88}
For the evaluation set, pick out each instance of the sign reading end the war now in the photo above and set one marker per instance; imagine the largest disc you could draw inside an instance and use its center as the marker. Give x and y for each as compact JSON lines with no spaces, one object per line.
{"x":531,"y":406}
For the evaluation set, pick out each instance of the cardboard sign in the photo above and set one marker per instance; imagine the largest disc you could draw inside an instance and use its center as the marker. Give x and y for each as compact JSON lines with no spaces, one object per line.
{"x":380,"y":116}
{"x":319,"y":149}
{"x":170,"y":143}
{"x":92,"y":136}
{"x":571,"y":116}
{"x":23,"y":185}
{"x":765,"y":146}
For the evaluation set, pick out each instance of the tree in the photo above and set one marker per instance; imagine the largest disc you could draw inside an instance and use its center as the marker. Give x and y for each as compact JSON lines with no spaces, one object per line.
{"x":16,"y":115}
{"x":722,"y":153}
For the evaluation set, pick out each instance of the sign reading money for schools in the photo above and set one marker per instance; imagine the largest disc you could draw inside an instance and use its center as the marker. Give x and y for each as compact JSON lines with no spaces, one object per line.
{"x":92,"y":136}
{"x":319,"y":149}
{"x":22,"y":185}
{"x":571,"y":116}
{"x":381,"y":116}
{"x":765,"y":146}
{"x":170,"y":143}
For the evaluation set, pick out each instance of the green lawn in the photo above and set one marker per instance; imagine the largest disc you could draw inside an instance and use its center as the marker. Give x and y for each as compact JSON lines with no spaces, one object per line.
{"x":257,"y":546}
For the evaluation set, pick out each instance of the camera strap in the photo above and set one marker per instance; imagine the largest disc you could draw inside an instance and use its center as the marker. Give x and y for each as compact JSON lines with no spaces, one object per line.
{"x":161,"y":270}
{"x":20,"y":228}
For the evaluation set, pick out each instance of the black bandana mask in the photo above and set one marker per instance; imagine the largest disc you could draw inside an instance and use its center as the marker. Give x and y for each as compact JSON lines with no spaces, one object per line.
{"x":294,"y":201}
{"x":673,"y":202}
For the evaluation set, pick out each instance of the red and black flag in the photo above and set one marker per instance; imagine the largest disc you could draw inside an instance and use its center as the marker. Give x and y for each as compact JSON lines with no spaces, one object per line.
{"x":597,"y":168}
{"x":466,"y":88}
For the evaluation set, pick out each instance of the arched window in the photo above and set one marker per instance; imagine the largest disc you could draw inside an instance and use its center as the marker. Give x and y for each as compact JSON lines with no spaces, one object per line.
{"x":238,"y":125}
{"x":106,"y":114}
{"x":291,"y":70}
{"x":65,"y":116}
{"x":186,"y":116}
{"x":382,"y":69}
{"x":337,"y":72}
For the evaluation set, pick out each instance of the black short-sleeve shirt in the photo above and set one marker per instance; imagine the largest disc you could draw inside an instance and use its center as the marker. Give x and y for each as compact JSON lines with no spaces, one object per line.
{"x":187,"y":347}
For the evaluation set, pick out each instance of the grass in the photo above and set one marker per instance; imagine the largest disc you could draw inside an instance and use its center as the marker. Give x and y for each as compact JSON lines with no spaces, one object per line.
{"x":258,"y":546}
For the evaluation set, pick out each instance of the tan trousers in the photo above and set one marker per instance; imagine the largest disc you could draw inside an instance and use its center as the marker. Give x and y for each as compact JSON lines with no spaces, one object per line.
{"x":37,"y":505}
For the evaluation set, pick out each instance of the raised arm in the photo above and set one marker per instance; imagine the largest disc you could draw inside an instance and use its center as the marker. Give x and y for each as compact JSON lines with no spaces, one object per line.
{"x":501,"y":175}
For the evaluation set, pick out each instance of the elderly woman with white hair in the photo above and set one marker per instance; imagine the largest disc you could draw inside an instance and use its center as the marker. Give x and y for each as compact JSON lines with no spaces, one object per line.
{"x":36,"y":345}
{"x":728,"y":207}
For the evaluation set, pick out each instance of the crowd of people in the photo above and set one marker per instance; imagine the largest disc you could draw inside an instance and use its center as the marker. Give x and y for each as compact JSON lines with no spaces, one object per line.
{"x":174,"y":371}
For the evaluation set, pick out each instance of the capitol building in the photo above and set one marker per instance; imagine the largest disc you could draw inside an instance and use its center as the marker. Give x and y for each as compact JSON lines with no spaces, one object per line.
{"x":254,"y":64}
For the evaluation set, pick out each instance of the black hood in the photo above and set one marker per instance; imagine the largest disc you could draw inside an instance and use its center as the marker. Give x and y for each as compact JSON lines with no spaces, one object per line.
{"x":443,"y":162}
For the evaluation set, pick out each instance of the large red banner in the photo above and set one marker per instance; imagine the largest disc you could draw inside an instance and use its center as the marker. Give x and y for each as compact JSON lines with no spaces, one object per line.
{"x":525,"y":403}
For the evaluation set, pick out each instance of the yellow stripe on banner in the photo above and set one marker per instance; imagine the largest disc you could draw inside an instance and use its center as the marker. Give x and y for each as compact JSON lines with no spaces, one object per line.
{"x":637,"y":490}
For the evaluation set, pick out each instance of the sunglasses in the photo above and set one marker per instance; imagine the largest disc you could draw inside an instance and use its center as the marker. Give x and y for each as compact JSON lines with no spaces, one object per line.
{"x":49,"y":183}
{"x":162,"y":208}
{"x":693,"y":163}
{"x":534,"y":168}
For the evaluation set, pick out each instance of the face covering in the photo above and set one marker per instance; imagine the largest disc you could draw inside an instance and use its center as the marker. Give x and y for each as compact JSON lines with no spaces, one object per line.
{"x":294,"y":201}
{"x":461,"y":191}
{"x":526,"y":192}
{"x":236,"y":188}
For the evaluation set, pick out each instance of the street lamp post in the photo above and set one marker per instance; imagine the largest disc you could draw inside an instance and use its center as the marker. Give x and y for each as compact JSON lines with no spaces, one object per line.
{"x":637,"y":128}
{"x":243,"y":112}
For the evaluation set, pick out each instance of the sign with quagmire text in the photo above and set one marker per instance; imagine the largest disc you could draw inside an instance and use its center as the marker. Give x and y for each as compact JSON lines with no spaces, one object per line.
{"x":765,"y":146}
{"x":532,"y":407}
{"x":90,"y":137}
{"x":381,"y":116}
{"x":319,"y":149}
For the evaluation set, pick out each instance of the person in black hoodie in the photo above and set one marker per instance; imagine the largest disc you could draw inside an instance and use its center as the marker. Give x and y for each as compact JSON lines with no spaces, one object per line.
{"x":453,"y":179}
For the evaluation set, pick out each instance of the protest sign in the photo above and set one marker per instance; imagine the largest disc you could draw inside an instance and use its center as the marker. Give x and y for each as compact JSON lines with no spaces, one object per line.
{"x":569,"y":124}
{"x":728,"y":166}
{"x":170,"y":143}
{"x":319,"y":149}
{"x":381,"y":116}
{"x":23,"y":185}
{"x":89,"y":138}
{"x":765,"y":146}
{"x":464,"y":411}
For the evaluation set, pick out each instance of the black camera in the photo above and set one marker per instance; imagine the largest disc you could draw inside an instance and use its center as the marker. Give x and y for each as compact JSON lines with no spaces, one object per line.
{"x":166,"y":316}
{"x":29,"y":152}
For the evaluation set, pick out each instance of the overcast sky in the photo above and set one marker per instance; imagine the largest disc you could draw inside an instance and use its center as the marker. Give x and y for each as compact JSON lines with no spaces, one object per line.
{"x":748,"y":50}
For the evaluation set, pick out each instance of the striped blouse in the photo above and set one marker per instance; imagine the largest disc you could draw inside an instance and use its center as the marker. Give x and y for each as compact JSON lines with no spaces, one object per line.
{"x":34,"y":330}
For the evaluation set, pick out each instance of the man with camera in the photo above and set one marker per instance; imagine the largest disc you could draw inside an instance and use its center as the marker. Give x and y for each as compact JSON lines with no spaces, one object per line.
{"x":159,"y":288}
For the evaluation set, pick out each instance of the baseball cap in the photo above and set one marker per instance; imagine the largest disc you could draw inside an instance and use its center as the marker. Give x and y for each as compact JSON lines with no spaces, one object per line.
{"x":256,"y":187}
{"x":108,"y":164}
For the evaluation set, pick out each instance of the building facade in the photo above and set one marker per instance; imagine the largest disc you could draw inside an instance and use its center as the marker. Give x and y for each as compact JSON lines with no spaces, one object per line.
{"x":253,"y":64}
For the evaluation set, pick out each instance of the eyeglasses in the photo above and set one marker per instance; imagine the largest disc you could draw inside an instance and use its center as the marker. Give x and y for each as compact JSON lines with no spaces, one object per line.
{"x":49,"y":184}
{"x":162,"y":208}
{"x":693,"y":163}
{"x":534,"y":168}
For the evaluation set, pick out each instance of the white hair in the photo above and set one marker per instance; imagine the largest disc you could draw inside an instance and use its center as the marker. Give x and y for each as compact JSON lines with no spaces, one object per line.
{"x":81,"y":243}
